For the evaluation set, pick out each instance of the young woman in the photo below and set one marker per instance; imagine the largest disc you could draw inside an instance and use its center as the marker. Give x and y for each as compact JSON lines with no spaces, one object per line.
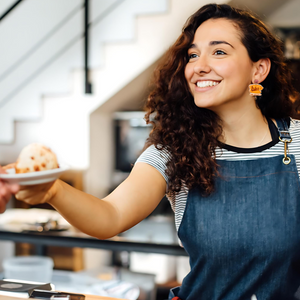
{"x":225,"y":150}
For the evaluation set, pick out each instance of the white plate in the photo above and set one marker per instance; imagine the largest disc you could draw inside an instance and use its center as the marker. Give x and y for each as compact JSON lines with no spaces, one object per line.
{"x":34,"y":177}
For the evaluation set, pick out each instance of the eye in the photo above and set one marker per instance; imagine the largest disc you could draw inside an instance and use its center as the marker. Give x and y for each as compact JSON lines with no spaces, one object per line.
{"x":191,"y":56}
{"x":219,"y":52}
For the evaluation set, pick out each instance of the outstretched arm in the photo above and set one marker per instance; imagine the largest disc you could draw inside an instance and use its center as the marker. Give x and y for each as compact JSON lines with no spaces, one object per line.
{"x":132,"y":201}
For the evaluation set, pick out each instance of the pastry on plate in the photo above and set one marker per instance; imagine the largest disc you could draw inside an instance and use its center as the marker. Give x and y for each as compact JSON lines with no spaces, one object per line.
{"x":35,"y":157}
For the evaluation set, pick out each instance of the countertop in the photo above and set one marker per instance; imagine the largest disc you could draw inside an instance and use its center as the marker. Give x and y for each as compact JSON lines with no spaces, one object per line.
{"x":153,"y":235}
{"x":87,"y":297}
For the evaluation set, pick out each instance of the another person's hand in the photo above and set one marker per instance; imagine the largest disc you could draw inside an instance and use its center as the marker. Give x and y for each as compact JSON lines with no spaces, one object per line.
{"x":6,"y":191}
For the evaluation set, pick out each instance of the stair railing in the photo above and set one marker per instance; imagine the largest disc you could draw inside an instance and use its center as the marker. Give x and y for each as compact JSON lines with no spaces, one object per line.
{"x":54,"y":57}
{"x":10,"y":9}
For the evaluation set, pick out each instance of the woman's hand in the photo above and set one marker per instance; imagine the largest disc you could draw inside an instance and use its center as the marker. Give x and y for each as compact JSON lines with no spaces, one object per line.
{"x":132,"y":201}
{"x":36,"y":194}
{"x":6,"y":191}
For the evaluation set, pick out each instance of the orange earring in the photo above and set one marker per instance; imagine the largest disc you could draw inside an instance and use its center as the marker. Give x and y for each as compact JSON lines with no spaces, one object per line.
{"x":255,"y":89}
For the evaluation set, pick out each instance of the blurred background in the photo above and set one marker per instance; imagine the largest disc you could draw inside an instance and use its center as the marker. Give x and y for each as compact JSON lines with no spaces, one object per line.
{"x":75,"y":75}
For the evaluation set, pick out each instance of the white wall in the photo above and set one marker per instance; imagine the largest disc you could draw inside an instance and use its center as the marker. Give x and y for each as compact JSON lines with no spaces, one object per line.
{"x":5,"y":5}
{"x":286,"y":16}
{"x":24,"y":81}
{"x":61,"y":118}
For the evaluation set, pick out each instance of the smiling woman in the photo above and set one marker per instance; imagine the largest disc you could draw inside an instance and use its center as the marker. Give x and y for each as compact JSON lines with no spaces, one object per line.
{"x":202,"y":92}
{"x":215,"y":57}
{"x":225,"y":150}
{"x":217,"y":144}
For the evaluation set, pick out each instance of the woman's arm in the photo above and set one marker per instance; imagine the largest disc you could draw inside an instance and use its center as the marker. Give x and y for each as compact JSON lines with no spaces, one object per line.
{"x":132,"y":201}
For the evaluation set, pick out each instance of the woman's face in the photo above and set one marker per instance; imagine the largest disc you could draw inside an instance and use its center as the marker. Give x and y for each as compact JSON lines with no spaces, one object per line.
{"x":219,"y":69}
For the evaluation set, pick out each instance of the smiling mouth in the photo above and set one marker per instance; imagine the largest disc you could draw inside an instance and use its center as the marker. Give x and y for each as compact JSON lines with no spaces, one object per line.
{"x":208,"y":83}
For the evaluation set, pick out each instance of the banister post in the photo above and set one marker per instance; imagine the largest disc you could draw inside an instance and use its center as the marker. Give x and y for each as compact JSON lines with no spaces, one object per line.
{"x":88,"y":86}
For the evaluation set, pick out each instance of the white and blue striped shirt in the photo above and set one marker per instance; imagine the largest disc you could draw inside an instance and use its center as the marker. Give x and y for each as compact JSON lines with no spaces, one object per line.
{"x":159,"y":158}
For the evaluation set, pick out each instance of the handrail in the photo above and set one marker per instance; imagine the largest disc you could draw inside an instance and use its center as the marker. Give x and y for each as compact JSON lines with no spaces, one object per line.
{"x":88,"y":86}
{"x":87,"y":24}
{"x":58,"y":54}
{"x":39,"y":70}
{"x":40,"y":43}
{"x":10,"y":9}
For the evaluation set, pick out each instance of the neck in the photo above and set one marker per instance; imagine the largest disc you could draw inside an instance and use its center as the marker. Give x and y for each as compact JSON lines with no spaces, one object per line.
{"x":245,"y":127}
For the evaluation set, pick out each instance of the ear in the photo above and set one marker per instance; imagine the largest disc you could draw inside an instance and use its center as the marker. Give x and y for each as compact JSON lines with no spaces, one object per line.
{"x":261,"y":70}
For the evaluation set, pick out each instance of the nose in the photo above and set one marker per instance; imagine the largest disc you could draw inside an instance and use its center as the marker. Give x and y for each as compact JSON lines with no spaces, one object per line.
{"x":202,"y":65}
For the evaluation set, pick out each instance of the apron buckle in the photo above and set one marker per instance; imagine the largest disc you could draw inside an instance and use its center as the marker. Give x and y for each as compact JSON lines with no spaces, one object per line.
{"x":286,"y":160}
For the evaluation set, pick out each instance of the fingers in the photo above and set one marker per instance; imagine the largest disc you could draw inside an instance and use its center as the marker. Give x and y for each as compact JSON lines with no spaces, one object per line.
{"x":9,"y":166}
{"x":35,"y":194}
{"x":2,"y":171}
{"x":14,"y":188}
{"x":5,"y":196}
{"x":38,"y":198}
{"x":6,"y":191}
{"x":2,"y":207}
{"x":8,"y":188}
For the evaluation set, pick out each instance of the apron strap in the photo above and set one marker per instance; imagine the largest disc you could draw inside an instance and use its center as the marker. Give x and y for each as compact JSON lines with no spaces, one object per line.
{"x":283,"y":129}
{"x":285,"y":137}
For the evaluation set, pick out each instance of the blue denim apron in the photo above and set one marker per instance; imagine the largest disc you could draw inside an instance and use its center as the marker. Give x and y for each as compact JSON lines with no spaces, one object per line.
{"x":244,"y":239}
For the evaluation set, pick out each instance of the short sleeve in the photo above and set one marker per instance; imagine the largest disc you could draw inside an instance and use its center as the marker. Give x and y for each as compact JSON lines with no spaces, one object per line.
{"x":155,"y":158}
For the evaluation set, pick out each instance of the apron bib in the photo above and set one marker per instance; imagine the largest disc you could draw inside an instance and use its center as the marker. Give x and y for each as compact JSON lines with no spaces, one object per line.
{"x":244,"y":238}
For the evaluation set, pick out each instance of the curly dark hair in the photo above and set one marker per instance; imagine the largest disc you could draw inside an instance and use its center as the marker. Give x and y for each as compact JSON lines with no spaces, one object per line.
{"x":189,"y":133}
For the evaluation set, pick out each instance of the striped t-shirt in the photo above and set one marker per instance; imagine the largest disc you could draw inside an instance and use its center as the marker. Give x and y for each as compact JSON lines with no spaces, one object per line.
{"x":159,"y":158}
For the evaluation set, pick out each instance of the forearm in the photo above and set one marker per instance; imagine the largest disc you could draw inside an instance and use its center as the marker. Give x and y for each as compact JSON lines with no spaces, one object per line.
{"x":132,"y":201}
{"x":89,"y":214}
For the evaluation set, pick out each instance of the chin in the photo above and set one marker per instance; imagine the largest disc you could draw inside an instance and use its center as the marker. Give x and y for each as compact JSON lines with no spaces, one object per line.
{"x":204,"y":104}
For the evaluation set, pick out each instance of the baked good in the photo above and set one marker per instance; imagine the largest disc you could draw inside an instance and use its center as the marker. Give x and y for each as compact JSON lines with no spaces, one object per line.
{"x":36,"y":157}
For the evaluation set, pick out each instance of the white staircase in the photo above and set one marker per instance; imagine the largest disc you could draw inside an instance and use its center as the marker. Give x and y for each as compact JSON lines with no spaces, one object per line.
{"x":52,"y":108}
{"x":30,"y":68}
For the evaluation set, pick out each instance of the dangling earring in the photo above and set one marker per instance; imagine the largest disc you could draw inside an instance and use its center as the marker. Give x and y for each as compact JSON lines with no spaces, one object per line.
{"x":255,"y":89}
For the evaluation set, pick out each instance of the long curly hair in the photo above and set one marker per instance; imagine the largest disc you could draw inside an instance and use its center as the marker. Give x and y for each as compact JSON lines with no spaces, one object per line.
{"x":189,"y":133}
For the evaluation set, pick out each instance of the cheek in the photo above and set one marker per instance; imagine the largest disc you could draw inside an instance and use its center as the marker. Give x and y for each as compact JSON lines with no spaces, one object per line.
{"x":188,"y":73}
{"x":237,"y":72}
{"x":226,"y":70}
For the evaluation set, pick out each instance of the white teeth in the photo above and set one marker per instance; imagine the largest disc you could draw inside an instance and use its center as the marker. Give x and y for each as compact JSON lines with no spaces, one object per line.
{"x":206,"y":83}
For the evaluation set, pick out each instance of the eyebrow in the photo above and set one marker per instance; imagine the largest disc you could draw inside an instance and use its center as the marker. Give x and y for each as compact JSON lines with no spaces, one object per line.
{"x":212,"y":43}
